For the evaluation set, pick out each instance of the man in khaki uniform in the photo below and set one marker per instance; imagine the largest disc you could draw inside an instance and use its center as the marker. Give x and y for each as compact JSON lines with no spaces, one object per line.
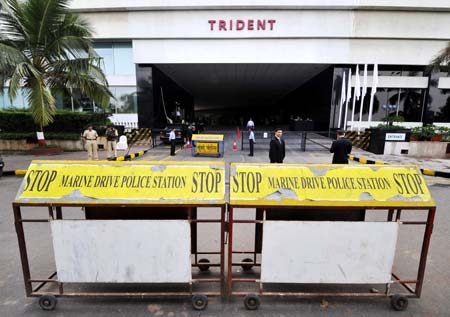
{"x":111,"y":140}
{"x":91,"y":136}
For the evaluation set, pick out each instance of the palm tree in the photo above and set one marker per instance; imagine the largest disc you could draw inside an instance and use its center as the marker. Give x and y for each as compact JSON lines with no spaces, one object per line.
{"x":442,"y":59}
{"x":45,"y":49}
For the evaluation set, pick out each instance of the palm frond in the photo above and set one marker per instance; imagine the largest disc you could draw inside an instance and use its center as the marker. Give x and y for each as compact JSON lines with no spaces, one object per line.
{"x":10,"y":56}
{"x":442,"y":59}
{"x":41,"y":101}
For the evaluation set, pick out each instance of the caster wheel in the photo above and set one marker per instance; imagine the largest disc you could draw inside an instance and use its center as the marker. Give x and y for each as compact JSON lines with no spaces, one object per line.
{"x":251,"y":301}
{"x":47,"y":302}
{"x":203,"y":267}
{"x":199,"y":301}
{"x":247,"y":267}
{"x":399,"y":302}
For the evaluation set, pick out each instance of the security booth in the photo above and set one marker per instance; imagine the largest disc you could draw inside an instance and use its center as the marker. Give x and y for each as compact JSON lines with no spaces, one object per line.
{"x":207,"y":145}
{"x":136,"y":234}
{"x":313,"y":236}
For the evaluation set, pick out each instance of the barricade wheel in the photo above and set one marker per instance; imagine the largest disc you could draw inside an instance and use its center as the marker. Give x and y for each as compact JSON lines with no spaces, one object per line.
{"x":251,"y":301}
{"x":199,"y":301}
{"x":203,"y":267}
{"x":47,"y":302}
{"x":399,"y":302}
{"x":247,"y":267}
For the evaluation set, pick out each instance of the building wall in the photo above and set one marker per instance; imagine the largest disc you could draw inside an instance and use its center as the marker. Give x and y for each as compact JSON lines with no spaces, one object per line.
{"x":330,"y":32}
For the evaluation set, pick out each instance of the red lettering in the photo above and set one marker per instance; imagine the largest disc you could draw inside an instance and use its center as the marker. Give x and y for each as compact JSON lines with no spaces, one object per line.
{"x":261,"y":25}
{"x":271,"y":22}
{"x":231,"y":25}
{"x":211,"y":23}
{"x":240,"y":24}
{"x":250,"y":25}
{"x":222,"y":25}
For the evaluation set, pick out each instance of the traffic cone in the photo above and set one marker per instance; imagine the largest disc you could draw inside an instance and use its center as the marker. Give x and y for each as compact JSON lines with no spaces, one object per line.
{"x":188,"y":145}
{"x":234,"y":145}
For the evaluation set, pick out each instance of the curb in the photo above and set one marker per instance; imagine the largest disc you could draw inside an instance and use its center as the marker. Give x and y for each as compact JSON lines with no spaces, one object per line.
{"x":129,"y":157}
{"x":423,"y":170}
{"x":14,"y":173}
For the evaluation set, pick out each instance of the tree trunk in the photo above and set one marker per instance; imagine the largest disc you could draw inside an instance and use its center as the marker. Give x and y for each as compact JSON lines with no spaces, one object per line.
{"x":40,"y":136}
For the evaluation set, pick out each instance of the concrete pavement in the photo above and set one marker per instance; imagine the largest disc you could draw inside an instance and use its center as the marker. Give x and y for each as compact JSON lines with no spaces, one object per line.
{"x":434,"y":302}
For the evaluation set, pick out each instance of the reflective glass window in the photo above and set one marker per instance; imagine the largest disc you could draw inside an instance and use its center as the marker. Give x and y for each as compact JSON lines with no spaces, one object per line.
{"x":126,"y":99}
{"x":123,"y":59}
{"x":105,"y":50}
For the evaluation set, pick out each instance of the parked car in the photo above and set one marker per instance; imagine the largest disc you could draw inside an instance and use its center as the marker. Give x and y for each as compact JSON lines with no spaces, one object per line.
{"x":2,"y":165}
{"x":180,"y":133}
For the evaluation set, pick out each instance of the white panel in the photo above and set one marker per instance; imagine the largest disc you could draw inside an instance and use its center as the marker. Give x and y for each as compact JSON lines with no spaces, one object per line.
{"x":444,"y":83}
{"x":328,"y":252}
{"x":122,"y":251}
{"x":397,"y":81}
{"x":292,"y":23}
{"x":364,"y":124}
{"x":402,"y":52}
{"x":129,"y":120}
{"x":104,"y":5}
{"x":121,"y":80}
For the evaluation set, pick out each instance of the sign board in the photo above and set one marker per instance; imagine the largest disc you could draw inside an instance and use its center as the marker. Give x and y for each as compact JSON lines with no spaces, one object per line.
{"x":395,"y":136}
{"x":328,"y":252}
{"x":84,"y":182}
{"x":207,"y":148}
{"x":122,"y":251}
{"x":327,"y":185}
{"x":207,"y":137}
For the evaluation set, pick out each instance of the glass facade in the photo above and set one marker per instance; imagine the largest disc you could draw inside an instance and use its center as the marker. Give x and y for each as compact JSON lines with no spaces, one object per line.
{"x":126,"y":100}
{"x":20,"y":102}
{"x":117,"y":58}
{"x":438,"y":101}
{"x":410,"y":103}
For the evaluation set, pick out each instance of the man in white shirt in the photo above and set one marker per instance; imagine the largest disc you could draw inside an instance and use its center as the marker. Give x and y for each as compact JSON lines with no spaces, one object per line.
{"x":251,"y":140}
{"x":250,"y":124}
{"x":90,"y":136}
{"x":172,"y":138}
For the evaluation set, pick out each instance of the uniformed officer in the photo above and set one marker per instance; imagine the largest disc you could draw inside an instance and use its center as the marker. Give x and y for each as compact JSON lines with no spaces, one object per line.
{"x":90,"y":136}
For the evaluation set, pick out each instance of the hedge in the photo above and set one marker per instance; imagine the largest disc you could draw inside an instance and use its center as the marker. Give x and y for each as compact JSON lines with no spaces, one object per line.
{"x":64,"y":121}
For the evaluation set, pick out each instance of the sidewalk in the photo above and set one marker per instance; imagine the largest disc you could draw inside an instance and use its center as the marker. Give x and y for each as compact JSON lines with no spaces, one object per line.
{"x":313,"y":155}
{"x":21,"y":160}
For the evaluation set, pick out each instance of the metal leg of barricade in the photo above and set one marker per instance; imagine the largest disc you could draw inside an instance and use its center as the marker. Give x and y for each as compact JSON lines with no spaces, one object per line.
{"x":398,"y":300}
{"x":424,"y":251}
{"x":47,"y":299}
{"x":230,"y":252}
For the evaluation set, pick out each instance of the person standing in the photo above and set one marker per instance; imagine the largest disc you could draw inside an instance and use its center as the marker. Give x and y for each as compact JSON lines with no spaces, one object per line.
{"x":172,"y":139}
{"x":90,"y":136}
{"x":251,"y":140}
{"x":341,"y":148}
{"x":250,"y":124}
{"x":111,"y":140}
{"x":277,"y":150}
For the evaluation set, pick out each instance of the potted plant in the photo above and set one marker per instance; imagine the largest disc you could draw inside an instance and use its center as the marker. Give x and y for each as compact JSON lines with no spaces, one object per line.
{"x":424,"y":133}
{"x":442,"y":134}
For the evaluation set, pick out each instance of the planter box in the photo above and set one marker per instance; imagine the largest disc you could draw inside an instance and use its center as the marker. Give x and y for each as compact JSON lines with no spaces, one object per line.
{"x":46,"y":151}
{"x":429,"y":149}
{"x":22,"y":145}
{"x":378,"y":138}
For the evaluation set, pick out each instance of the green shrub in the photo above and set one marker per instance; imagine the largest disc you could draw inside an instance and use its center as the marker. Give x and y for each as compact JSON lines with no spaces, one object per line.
{"x":65,"y":121}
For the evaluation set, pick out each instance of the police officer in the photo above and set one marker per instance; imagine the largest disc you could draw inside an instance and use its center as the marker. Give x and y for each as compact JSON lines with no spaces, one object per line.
{"x":90,"y":136}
